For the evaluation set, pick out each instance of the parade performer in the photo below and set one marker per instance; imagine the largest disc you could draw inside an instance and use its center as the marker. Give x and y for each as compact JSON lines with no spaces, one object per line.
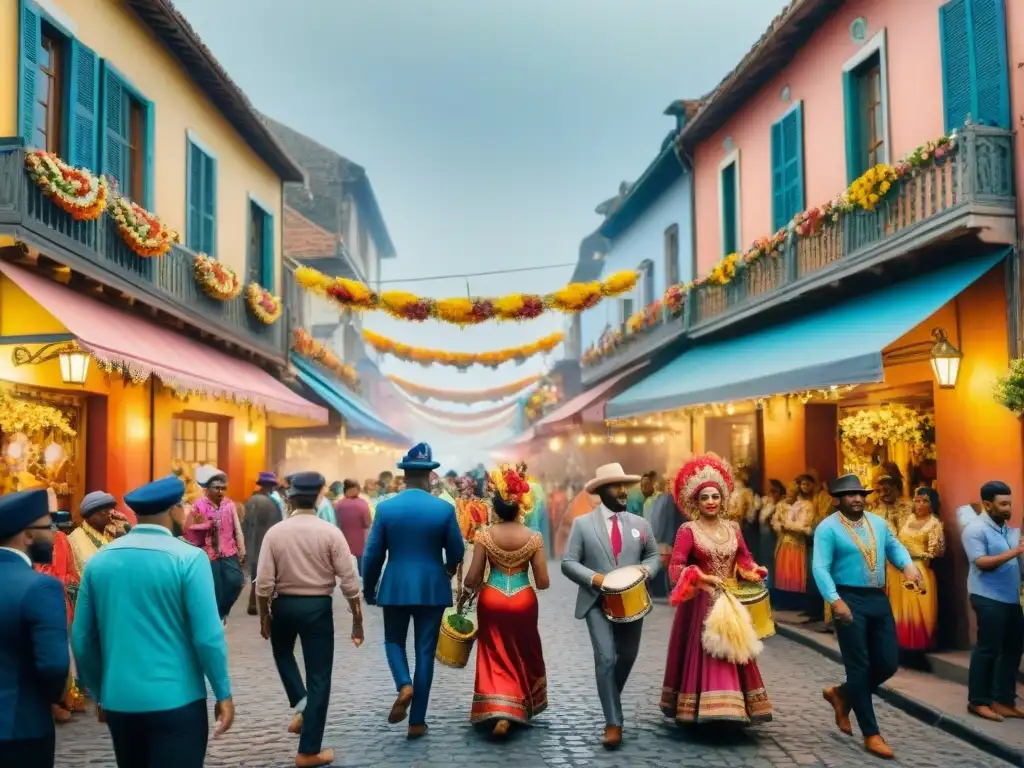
{"x":539,"y":520}
{"x":707,"y":678}
{"x":34,"y":659}
{"x":411,"y":531}
{"x":582,"y":504}
{"x":214,"y":527}
{"x":100,"y":525}
{"x":600,"y":542}
{"x":511,"y":681}
{"x":302,"y":559}
{"x":165,"y":619}
{"x":851,"y":547}
{"x":261,"y":512}
{"x":917,"y":611}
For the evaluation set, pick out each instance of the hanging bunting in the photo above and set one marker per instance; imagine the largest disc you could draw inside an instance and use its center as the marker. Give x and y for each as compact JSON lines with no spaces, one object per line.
{"x":438,"y":413}
{"x":505,"y":422}
{"x":461,"y":360}
{"x":570,"y":300}
{"x":463,"y":395}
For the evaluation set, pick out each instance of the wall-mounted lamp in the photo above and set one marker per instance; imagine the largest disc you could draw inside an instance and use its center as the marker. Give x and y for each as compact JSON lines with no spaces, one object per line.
{"x":945,"y":360}
{"x":74,"y":363}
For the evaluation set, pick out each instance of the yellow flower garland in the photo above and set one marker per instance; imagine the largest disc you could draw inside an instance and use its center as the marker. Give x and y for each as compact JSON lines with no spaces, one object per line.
{"x":461,"y":395}
{"x":461,"y":360}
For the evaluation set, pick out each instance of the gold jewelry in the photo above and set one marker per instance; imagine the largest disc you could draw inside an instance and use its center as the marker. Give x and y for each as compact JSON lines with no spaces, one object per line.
{"x":869,"y":552}
{"x":720,"y":533}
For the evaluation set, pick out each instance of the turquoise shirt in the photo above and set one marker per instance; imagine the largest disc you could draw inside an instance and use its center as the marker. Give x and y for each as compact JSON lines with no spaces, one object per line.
{"x":147,"y":631}
{"x":635,"y":502}
{"x":838,"y":560}
{"x":325,"y":511}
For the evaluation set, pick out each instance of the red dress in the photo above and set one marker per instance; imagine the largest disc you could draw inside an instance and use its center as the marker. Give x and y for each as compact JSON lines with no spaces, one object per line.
{"x":699,"y":688}
{"x":511,"y":680}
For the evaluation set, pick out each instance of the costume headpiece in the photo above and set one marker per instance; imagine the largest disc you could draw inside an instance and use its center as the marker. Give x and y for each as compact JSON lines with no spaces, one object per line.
{"x":509,"y":482}
{"x":700,"y":472}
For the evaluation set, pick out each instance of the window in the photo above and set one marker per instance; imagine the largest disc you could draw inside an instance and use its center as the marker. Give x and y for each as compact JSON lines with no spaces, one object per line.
{"x":49,"y":109}
{"x":867,"y":108}
{"x":202,"y":200}
{"x":626,"y":310}
{"x":260,"y":258}
{"x":729,"y":203}
{"x":127,"y":128}
{"x":672,"y":255}
{"x":787,"y":167}
{"x":645,"y":285}
{"x":975,"y":77}
{"x":195,"y":441}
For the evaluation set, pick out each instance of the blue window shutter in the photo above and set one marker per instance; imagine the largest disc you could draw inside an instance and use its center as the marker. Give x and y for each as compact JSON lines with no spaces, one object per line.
{"x":114,"y":163}
{"x":28,"y":67}
{"x":778,"y":182}
{"x":990,"y":65}
{"x":957,"y":64}
{"x":268,"y":251}
{"x":193,"y":197}
{"x":851,"y":101}
{"x":84,"y":101}
{"x":793,"y":172}
{"x":149,"y":150}
{"x":209,"y":204}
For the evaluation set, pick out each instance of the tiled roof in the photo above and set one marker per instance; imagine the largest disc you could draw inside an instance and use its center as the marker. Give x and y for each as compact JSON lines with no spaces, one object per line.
{"x":174,"y":31}
{"x":305,"y":240}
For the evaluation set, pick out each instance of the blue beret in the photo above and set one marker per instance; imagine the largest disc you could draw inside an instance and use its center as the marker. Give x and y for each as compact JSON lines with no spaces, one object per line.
{"x":157,"y":497}
{"x":306,"y":483}
{"x":19,"y":510}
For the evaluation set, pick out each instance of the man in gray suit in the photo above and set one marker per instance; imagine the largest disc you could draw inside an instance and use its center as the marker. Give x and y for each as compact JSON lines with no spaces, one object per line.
{"x":600,"y":542}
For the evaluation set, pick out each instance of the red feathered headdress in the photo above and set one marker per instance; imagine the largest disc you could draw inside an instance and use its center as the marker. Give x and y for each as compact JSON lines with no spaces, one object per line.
{"x":700,"y":472}
{"x":511,"y":484}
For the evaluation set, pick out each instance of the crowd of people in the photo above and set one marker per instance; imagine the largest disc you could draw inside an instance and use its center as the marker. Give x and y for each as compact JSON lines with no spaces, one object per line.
{"x":145,"y":648}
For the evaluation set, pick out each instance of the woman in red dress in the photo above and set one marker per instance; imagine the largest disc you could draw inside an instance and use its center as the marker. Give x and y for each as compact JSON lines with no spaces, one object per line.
{"x":709,"y":554}
{"x":511,"y":681}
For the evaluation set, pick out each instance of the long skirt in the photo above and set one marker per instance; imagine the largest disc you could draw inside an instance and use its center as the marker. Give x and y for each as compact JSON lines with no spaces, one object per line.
{"x":916,"y":614}
{"x":511,"y":680}
{"x":699,"y":688}
{"x":790,"y":566}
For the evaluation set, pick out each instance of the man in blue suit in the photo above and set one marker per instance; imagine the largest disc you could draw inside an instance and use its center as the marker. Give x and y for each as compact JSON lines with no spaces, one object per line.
{"x":34,"y":657}
{"x":412,"y":530}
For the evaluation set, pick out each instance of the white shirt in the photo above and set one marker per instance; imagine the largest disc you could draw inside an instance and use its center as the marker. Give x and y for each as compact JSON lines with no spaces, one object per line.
{"x":608,"y":517}
{"x":20,"y":554}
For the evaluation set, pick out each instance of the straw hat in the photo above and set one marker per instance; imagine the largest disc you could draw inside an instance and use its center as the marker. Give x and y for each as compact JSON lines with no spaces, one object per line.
{"x":609,"y":474}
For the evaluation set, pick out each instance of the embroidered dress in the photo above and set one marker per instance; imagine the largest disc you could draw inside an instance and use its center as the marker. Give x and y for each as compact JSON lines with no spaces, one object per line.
{"x":792,"y":524}
{"x":917,"y":614}
{"x":85,"y":542}
{"x":697,"y":687}
{"x":511,"y":681}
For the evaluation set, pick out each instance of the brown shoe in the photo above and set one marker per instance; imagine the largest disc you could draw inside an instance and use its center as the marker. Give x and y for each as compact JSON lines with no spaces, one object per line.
{"x":325,"y":757}
{"x":400,"y":709}
{"x":1004,"y":711}
{"x":501,"y":729}
{"x":985,"y":712}
{"x":416,"y":732}
{"x":296,"y":726}
{"x":835,"y":697}
{"x":876,"y":746}
{"x":612,"y":736}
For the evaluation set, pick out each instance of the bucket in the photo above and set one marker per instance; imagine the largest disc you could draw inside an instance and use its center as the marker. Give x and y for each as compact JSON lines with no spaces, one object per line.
{"x":453,"y":648}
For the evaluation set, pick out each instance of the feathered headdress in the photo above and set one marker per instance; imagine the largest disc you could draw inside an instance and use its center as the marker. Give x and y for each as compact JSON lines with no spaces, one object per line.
{"x":510,"y":483}
{"x":700,"y":472}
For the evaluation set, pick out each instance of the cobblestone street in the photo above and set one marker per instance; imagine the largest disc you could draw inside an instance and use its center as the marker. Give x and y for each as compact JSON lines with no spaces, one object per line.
{"x":568,"y":734}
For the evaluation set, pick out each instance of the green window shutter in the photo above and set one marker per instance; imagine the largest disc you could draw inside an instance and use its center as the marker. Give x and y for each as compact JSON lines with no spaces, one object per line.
{"x":778,"y":182}
{"x":268,"y":252}
{"x":209,"y":204}
{"x":991,"y":76}
{"x":28,"y":67}
{"x":793,"y":172}
{"x":84,"y":101}
{"x":114,"y":128}
{"x":149,"y":150}
{"x":957,"y":64}
{"x":729,"y":244}
{"x":851,"y":110}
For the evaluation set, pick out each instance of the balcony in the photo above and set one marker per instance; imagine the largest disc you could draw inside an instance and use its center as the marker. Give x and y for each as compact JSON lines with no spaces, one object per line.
{"x":96,"y":251}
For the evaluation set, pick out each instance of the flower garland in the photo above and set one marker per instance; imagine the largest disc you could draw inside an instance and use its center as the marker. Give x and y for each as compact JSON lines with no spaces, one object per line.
{"x":461,"y":360}
{"x":29,"y":418}
{"x":217,"y":280}
{"x":540,"y":401}
{"x":141,"y":230}
{"x":304,"y":344}
{"x":572,"y":299}
{"x":1009,"y":388}
{"x":464,"y":396}
{"x":263,"y":304}
{"x":76,"y":191}
{"x":862,"y":431}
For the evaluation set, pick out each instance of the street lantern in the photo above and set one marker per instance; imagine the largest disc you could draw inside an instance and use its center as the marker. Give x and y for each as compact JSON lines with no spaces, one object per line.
{"x":945,"y":360}
{"x":74,"y":363}
{"x":74,"y":366}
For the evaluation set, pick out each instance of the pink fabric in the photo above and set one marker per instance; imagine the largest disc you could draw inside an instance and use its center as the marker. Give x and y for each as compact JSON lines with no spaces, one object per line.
{"x":111,"y":334}
{"x":586,"y":403}
{"x":201,"y":533}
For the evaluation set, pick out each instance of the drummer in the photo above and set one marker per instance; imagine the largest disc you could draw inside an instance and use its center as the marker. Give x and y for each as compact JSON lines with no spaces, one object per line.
{"x":605,"y":540}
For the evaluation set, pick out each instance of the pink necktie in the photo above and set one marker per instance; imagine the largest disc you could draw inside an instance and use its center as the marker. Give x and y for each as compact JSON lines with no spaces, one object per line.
{"x":616,"y":538}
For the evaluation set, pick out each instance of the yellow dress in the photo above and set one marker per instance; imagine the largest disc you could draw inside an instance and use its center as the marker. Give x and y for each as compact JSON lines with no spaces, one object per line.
{"x":917,"y":614}
{"x":896,"y":514}
{"x":85,"y":542}
{"x":792,"y":523}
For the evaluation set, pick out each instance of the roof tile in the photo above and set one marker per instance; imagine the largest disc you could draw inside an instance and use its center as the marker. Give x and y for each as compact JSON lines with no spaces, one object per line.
{"x":304,"y":239}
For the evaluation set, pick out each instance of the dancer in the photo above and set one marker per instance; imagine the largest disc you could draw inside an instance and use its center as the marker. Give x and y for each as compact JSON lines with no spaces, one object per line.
{"x":705,"y":683}
{"x":599,"y":544}
{"x":511,"y":684}
{"x":850,"y":550}
{"x":410,"y":531}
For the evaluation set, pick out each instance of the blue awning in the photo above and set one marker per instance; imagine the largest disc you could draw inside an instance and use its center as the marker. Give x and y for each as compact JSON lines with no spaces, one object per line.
{"x":360,"y":420}
{"x":839,"y":345}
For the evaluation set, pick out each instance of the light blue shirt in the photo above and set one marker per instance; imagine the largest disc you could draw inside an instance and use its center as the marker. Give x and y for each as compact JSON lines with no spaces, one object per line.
{"x":325,"y":511}
{"x":280,"y":503}
{"x":838,"y":560}
{"x":147,"y":631}
{"x":965,"y":516}
{"x":983,"y":537}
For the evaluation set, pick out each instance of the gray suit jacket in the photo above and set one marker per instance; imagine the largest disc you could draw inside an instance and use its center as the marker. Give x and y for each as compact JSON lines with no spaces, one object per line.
{"x":590,"y":551}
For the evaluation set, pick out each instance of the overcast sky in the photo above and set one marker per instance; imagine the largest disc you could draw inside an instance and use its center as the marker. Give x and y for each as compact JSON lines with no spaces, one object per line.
{"x":490,"y":128}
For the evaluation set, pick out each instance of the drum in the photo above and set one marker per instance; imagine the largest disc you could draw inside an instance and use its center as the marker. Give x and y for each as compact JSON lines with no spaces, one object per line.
{"x":453,"y":647}
{"x":624,"y":595}
{"x":754,"y":597}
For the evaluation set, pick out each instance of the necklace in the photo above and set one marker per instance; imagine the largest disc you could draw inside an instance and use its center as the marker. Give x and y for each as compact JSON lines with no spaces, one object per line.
{"x":868,"y":551}
{"x":719,"y":534}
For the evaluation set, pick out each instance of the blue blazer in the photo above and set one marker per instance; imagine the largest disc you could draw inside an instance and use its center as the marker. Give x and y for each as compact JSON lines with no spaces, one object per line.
{"x":412,"y":530}
{"x":34,"y":655}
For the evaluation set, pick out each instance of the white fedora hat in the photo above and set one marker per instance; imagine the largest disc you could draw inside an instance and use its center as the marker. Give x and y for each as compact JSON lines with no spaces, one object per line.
{"x":608,"y":474}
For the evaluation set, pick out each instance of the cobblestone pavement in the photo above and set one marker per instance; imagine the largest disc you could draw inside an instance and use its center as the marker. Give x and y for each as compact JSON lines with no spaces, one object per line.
{"x":568,"y":734}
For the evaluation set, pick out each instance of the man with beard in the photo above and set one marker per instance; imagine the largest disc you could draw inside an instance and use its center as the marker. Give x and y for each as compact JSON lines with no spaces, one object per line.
{"x":34,"y":657}
{"x":600,"y":542}
{"x":850,"y":551}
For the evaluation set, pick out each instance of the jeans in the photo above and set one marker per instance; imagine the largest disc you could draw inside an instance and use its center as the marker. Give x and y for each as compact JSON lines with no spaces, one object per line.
{"x":228,"y":580}
{"x":997,"y":652}
{"x":173,"y":738}
{"x":311,"y":620}
{"x":426,"y":621}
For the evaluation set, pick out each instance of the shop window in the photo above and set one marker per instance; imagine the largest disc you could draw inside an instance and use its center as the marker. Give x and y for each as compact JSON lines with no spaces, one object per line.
{"x":195,"y":441}
{"x":261,"y":246}
{"x":787,"y":167}
{"x":975,"y":76}
{"x":201,"y":179}
{"x":866,"y":96}
{"x":127,"y":138}
{"x":672,"y":255}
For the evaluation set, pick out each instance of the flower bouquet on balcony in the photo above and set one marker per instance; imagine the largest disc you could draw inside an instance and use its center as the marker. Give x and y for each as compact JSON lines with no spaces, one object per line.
{"x":266,"y":306}
{"x":74,"y":190}
{"x":142,"y":231}
{"x":217,"y":281}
